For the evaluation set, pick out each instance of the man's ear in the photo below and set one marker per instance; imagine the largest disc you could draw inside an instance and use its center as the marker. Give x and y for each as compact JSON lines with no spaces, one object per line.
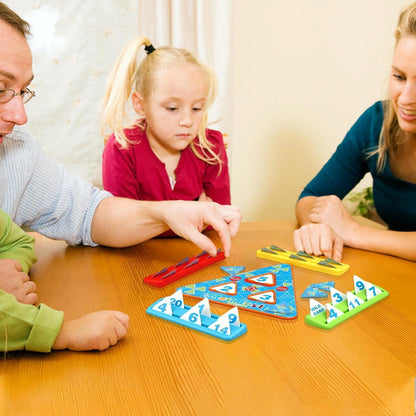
{"x":137,"y":101}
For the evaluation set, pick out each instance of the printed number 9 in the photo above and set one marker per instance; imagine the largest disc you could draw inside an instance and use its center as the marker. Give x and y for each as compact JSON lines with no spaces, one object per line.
{"x":232,"y":318}
{"x":360,"y":285}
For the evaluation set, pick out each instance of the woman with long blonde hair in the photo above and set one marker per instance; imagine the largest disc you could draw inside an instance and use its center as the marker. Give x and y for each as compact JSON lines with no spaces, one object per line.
{"x":382,"y":142}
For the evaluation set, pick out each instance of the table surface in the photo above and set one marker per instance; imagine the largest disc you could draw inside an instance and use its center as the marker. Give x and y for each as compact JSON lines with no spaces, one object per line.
{"x":364,"y":366}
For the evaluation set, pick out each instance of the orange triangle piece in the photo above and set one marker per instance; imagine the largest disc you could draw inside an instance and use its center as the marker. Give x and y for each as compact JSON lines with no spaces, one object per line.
{"x":269,"y":296}
{"x":229,"y":288}
{"x":267,"y":279}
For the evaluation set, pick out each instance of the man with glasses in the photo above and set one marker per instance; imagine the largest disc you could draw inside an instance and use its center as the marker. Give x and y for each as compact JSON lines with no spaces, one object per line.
{"x":42,"y":195}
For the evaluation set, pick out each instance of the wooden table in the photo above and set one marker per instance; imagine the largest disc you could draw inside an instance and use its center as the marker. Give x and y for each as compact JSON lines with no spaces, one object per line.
{"x":365,"y":366}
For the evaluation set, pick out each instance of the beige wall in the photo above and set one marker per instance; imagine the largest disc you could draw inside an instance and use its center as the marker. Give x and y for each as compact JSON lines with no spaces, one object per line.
{"x":303,"y":72}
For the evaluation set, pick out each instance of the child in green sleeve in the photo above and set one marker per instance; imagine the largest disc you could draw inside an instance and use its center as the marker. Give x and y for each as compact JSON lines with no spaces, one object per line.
{"x":41,"y":328}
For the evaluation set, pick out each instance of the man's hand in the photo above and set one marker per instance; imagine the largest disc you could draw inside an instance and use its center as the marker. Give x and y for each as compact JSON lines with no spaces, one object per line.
{"x":122,"y":222}
{"x":188,"y":219}
{"x":16,"y":282}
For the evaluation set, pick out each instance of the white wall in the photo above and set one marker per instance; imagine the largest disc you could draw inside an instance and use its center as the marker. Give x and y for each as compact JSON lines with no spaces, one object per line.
{"x":74,"y":45}
{"x":304,"y":71}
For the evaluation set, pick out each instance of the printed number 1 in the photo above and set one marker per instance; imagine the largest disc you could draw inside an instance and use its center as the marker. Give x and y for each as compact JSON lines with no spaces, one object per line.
{"x":223,"y":330}
{"x":352,"y":304}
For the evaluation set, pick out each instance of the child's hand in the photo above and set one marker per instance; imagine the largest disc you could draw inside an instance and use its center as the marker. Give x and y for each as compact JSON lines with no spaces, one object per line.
{"x":16,"y":282}
{"x":95,"y":331}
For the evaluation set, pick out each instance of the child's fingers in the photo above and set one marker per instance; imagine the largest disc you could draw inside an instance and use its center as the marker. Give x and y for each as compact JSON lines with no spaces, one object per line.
{"x":122,"y":324}
{"x":122,"y":317}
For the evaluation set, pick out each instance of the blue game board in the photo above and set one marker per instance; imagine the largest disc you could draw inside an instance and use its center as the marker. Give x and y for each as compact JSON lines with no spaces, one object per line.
{"x":268,"y":290}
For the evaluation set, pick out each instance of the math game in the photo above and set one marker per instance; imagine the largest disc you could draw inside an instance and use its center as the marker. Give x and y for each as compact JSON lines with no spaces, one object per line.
{"x":198,"y":317}
{"x":268,"y":290}
{"x":344,"y":305}
{"x":183,"y":268}
{"x":302,"y":259}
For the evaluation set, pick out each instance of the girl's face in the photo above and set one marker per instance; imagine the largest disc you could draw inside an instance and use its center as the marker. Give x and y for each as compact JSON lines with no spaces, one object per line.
{"x":175,"y":109}
{"x":402,"y":83}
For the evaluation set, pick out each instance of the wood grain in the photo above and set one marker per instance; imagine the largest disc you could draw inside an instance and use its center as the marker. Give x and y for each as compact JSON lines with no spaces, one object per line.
{"x":364,"y":366}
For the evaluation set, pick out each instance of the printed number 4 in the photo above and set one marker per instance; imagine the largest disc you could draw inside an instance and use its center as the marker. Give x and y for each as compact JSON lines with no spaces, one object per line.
{"x":223,"y":330}
{"x":333,"y":314}
{"x":162,"y":307}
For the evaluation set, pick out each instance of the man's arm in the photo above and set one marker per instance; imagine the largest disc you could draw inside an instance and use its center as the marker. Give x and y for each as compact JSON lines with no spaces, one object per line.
{"x":120,"y":222}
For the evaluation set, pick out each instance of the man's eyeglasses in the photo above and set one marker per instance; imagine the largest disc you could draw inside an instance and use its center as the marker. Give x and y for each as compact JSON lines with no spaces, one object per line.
{"x":7,"y":94}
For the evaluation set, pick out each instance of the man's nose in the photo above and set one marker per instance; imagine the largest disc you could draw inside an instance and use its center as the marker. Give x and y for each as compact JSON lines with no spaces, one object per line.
{"x":14,"y":111}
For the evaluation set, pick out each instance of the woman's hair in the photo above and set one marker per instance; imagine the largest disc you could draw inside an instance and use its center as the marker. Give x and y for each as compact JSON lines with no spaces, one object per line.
{"x":11,"y":18}
{"x":392,"y":136}
{"x":129,"y":75}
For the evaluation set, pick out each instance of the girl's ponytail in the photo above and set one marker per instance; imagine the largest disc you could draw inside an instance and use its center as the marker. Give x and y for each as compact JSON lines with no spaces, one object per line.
{"x":118,"y":89}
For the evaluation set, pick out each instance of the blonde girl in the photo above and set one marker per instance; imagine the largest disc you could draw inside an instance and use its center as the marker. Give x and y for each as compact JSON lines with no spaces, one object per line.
{"x":164,"y":151}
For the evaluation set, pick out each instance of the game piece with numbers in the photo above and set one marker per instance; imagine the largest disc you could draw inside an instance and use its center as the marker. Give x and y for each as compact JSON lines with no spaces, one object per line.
{"x":344,"y":306}
{"x":337,"y":296}
{"x":224,"y":323}
{"x":333,"y":312}
{"x":198,"y":317}
{"x":353,"y":300}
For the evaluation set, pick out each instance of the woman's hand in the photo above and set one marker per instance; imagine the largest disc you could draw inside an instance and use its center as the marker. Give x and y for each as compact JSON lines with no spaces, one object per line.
{"x":318,"y":239}
{"x":331,"y":211}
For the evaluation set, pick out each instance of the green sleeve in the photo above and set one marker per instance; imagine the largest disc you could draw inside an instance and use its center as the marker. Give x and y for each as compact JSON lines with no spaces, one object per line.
{"x":27,"y":327}
{"x":15,"y":243}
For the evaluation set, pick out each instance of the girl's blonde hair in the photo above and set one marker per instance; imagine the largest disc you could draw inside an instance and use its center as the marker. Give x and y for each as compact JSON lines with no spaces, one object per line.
{"x":392,"y":136}
{"x":129,"y":75}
